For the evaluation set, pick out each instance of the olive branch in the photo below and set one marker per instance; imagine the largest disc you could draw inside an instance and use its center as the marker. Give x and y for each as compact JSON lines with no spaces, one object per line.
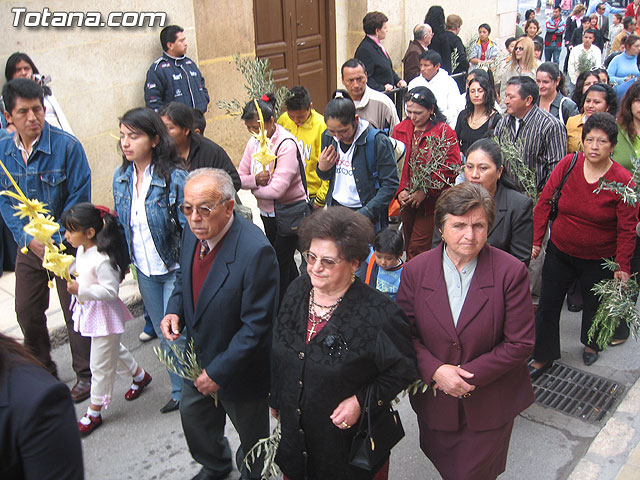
{"x":617,"y":304}
{"x":269,"y":446}
{"x":630,"y":191}
{"x":188,"y":366}
{"x":434,"y":173}
{"x":512,"y":151}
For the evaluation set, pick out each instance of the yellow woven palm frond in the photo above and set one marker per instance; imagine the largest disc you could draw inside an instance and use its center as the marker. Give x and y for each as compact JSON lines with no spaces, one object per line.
{"x":263,"y":154}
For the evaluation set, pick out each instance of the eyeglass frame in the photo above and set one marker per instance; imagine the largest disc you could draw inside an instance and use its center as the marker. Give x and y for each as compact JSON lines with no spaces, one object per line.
{"x":202,"y":210}
{"x":327,"y":263}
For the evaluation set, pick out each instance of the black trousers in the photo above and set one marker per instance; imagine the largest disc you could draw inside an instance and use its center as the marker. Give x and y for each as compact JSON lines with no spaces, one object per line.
{"x":558,"y":273}
{"x":285,"y":247}
{"x":203,"y":424}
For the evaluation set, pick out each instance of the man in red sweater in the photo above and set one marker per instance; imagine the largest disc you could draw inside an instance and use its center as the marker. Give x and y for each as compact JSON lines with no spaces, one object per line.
{"x":226,"y":295}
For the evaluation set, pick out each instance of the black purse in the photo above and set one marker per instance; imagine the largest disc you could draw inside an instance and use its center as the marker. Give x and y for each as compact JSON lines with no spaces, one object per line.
{"x":374,"y":440}
{"x":555,"y":198}
{"x":289,"y":216}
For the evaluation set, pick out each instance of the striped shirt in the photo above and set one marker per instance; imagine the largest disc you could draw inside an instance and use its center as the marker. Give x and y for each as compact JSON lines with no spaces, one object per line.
{"x":543,"y":137}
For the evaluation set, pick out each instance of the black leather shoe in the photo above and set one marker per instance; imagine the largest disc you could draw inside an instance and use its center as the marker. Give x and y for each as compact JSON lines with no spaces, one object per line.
{"x":206,"y":474}
{"x":536,"y":372}
{"x":574,"y":308}
{"x":589,"y":358}
{"x":81,"y":390}
{"x":171,"y":406}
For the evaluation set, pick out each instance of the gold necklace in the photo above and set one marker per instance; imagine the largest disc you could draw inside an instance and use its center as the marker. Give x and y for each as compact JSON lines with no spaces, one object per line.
{"x":316,"y":320}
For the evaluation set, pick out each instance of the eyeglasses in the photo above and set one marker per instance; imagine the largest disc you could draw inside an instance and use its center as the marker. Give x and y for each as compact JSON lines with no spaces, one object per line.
{"x":519,"y":49}
{"x":203,"y":210}
{"x":326,"y":262}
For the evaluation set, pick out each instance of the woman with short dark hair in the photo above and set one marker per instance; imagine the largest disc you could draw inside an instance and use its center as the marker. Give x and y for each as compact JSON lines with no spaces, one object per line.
{"x":472,"y":325}
{"x":341,"y":339}
{"x":371,"y":52}
{"x":196,"y":151}
{"x":589,"y":226}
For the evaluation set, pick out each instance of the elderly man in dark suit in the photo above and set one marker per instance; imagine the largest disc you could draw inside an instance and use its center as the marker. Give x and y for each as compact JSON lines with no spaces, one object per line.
{"x":472,"y":321}
{"x":226,"y":295}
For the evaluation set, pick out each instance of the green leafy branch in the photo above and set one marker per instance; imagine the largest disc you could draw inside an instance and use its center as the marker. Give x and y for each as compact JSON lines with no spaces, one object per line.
{"x":585,"y":62}
{"x":188,"y":366}
{"x":617,"y":304}
{"x":268,"y":446}
{"x":630,"y":191}
{"x":435,"y":173}
{"x":259,"y":80}
{"x":512,"y":151}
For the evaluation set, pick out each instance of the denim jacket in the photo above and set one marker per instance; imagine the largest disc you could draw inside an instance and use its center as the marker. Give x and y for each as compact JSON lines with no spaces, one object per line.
{"x":57,"y":173}
{"x":160,"y":215}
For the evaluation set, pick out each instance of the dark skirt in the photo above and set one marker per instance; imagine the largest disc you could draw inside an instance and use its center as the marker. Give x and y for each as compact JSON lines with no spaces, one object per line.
{"x":465,"y":454}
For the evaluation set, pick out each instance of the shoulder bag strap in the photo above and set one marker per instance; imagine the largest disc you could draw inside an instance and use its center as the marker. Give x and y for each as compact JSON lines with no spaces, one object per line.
{"x":566,"y":175}
{"x":367,"y":278}
{"x":300,"y":165}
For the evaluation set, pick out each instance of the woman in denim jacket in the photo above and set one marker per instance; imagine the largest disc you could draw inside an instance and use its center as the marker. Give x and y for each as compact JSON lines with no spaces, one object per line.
{"x":147,"y":189}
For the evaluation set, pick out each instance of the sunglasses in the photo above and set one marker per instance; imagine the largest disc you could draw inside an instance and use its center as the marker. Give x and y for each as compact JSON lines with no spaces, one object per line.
{"x":519,"y":49}
{"x":326,"y":262}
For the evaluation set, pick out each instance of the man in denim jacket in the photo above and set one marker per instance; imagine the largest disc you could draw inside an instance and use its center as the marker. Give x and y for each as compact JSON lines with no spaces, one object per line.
{"x":174,"y":77}
{"x":49,"y":165}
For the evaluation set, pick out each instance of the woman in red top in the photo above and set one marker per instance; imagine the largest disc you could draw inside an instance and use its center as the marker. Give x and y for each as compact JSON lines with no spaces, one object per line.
{"x":420,"y":186}
{"x":633,"y":9}
{"x":589,"y":227}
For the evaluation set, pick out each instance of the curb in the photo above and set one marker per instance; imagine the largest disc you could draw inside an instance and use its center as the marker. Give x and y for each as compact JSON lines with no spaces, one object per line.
{"x":609,"y":452}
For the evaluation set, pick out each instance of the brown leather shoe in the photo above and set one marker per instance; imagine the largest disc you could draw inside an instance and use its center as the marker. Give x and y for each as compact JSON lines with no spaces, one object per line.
{"x":81,"y":390}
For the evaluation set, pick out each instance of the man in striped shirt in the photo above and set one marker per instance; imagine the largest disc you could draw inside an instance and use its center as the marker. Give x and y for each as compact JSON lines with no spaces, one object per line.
{"x":540,"y":137}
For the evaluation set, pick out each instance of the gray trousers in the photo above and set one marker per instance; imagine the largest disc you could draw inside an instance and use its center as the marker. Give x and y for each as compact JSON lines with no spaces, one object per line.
{"x":203,"y":424}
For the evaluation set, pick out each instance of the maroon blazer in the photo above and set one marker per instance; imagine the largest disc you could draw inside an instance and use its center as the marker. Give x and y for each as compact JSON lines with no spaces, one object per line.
{"x":493,"y":339}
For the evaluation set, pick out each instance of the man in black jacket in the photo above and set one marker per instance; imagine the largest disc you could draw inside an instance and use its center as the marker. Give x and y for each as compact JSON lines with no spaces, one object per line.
{"x":173,"y":76}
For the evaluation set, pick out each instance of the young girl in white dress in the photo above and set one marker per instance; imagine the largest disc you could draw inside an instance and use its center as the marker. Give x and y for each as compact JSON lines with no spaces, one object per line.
{"x":101,"y":263}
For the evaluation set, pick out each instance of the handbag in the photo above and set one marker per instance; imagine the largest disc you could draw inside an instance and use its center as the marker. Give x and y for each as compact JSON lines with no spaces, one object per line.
{"x":555,"y":198}
{"x":376,"y":437}
{"x":289,"y":216}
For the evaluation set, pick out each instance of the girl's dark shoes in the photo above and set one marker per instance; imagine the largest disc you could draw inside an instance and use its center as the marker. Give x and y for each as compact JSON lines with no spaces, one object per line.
{"x":94,"y":422}
{"x":134,"y":393}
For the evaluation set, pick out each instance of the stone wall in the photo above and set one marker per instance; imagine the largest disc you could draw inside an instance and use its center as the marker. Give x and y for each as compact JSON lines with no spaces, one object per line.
{"x":99,"y":73}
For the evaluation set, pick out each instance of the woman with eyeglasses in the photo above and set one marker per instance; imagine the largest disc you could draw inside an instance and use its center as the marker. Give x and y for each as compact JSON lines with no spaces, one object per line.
{"x":433,"y":160}
{"x":552,"y":99}
{"x":523,"y":62}
{"x":341,"y":340}
{"x":479,"y":117}
{"x":598,"y":98}
{"x":279,"y":181}
{"x":147,"y":192}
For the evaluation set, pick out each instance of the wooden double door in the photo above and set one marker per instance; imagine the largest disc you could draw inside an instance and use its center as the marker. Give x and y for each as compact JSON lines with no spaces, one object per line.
{"x":298,"y":38}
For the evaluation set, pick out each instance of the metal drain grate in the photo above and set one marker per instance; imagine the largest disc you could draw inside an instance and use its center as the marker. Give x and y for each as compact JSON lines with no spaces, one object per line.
{"x":577,"y":393}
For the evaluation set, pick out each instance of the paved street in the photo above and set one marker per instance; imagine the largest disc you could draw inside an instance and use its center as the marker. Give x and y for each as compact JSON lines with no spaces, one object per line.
{"x":137,"y":442}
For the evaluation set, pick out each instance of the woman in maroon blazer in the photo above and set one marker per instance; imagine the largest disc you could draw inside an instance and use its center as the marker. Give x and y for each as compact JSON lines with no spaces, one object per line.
{"x":473,"y":330}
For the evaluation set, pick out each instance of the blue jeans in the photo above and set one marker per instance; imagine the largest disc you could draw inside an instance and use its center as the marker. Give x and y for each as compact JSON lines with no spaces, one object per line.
{"x":552,"y":53}
{"x":155,"y":291}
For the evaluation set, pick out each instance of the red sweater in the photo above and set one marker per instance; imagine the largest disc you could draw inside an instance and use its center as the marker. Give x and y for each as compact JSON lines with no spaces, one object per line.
{"x":589,"y":225}
{"x":404,"y":132}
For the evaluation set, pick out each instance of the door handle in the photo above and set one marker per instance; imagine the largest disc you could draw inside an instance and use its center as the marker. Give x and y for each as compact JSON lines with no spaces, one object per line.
{"x":301,"y":44}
